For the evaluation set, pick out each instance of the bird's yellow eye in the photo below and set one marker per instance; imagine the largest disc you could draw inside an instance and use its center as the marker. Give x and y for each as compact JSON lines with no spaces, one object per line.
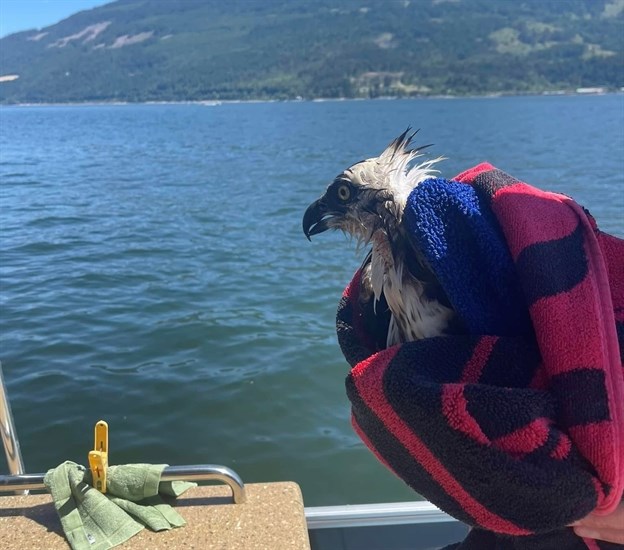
{"x":344,"y":193}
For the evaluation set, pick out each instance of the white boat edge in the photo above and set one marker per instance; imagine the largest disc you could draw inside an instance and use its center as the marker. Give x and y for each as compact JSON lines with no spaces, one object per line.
{"x":369,"y":515}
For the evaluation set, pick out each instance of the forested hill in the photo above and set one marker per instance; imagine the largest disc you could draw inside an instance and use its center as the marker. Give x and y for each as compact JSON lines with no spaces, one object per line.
{"x":166,"y":50}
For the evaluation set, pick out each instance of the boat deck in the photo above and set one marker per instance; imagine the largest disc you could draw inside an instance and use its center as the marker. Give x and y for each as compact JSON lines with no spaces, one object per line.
{"x":272,"y":518}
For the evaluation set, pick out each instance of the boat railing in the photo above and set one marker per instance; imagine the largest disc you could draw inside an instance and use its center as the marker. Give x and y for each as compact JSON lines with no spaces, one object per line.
{"x":7,"y":432}
{"x":18,"y":481}
{"x":370,"y":515}
{"x":200,"y":472}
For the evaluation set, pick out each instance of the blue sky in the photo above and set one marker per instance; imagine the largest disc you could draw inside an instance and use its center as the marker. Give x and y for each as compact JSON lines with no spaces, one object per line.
{"x":21,"y":15}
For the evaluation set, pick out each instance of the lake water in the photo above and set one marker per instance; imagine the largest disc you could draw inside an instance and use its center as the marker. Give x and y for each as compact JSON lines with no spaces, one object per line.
{"x":154,"y":273}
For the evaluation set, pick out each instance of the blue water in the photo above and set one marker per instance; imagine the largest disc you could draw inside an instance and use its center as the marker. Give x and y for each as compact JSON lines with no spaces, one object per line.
{"x":154,"y":273}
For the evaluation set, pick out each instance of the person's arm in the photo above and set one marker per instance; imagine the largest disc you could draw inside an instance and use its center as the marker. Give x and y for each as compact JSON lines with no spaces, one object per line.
{"x":608,"y":528}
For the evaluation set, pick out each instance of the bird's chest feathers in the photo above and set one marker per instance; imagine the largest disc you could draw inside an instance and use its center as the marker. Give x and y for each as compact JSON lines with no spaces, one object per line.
{"x":414,"y":316}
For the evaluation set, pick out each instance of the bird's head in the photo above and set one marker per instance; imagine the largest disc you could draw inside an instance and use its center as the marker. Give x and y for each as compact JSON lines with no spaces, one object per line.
{"x":370,"y":195}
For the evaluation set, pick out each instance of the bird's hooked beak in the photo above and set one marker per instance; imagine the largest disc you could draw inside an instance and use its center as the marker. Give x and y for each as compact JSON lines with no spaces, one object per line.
{"x":314,"y":220}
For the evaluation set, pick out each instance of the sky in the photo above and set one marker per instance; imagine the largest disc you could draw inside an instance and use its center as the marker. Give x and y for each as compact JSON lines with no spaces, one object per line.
{"x":22,"y":15}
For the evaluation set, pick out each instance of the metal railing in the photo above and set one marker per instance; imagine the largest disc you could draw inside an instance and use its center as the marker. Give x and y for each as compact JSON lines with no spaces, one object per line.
{"x":19,"y":481}
{"x":200,"y":472}
{"x":7,"y":432}
{"x":369,"y":515}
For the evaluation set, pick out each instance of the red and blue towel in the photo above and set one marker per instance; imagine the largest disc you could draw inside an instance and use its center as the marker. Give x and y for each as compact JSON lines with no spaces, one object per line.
{"x":517,"y":426}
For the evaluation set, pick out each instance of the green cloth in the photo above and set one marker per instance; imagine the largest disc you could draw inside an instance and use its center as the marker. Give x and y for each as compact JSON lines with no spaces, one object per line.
{"x":95,"y":521}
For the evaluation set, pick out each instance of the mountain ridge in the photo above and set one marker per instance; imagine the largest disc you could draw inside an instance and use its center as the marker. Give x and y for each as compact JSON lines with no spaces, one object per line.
{"x":147,"y":50}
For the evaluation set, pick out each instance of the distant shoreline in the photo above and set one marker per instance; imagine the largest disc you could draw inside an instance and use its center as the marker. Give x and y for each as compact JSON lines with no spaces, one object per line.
{"x":217,"y":102}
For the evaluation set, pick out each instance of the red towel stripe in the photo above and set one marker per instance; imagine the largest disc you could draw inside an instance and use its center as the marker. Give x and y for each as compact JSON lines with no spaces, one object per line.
{"x":587,"y":439}
{"x":455,"y":410}
{"x":525,"y":440}
{"x":475,"y":365}
{"x":575,"y":346}
{"x":591,"y":544}
{"x":510,"y":204}
{"x":562,"y":450}
{"x":612,"y":365}
{"x":469,"y":175}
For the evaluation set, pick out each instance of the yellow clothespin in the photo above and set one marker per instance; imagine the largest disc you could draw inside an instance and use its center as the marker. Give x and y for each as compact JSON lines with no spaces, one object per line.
{"x":98,"y":458}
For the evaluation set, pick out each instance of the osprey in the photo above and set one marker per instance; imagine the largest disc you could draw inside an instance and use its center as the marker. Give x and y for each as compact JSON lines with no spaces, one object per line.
{"x":367,"y":201}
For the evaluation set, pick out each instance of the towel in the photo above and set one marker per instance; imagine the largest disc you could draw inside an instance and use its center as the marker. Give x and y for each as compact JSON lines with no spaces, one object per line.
{"x":517,"y":426}
{"x":95,"y":521}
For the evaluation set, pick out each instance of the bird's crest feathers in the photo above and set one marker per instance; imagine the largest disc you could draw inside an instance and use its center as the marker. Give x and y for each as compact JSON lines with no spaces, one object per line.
{"x":393,"y":171}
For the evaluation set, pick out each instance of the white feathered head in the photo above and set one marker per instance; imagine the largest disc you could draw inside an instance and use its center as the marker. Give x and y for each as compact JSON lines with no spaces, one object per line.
{"x":370,"y":195}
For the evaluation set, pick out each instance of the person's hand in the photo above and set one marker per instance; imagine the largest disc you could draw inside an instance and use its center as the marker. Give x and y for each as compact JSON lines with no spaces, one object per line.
{"x":608,"y":528}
